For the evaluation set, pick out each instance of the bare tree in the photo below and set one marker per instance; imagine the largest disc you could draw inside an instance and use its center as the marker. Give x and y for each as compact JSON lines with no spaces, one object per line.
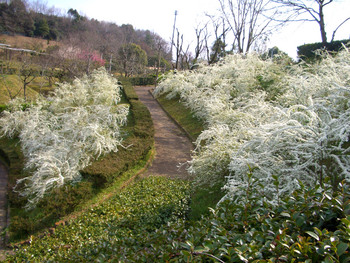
{"x":201,"y":40}
{"x":250,"y":21}
{"x":314,"y":11}
{"x":218,"y":48}
{"x":186,"y":58}
{"x":178,"y":46}
{"x":27,"y":72}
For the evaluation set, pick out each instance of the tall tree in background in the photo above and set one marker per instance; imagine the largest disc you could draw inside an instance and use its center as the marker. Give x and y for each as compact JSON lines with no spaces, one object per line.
{"x":250,"y":21}
{"x":310,"y":10}
{"x":132,"y":59}
{"x":42,"y":28}
{"x":160,"y":47}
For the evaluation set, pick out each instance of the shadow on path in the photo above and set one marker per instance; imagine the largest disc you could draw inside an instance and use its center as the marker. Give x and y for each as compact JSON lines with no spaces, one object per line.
{"x":172,"y":145}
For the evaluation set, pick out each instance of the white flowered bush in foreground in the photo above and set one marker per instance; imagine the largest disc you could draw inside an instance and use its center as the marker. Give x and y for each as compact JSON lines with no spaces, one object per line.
{"x":62,"y":134}
{"x":292,"y":122}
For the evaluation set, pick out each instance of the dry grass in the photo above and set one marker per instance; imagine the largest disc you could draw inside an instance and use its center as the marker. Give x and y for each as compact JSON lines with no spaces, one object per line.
{"x":14,"y":84}
{"x":17,"y":41}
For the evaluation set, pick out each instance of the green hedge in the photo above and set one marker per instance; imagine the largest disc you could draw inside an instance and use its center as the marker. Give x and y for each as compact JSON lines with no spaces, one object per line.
{"x":141,"y":81}
{"x":307,"y":51}
{"x":138,"y":142}
{"x":129,"y":91}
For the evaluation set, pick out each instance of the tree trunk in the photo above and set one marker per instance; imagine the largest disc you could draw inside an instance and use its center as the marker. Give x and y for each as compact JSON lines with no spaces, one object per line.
{"x":322,"y":26}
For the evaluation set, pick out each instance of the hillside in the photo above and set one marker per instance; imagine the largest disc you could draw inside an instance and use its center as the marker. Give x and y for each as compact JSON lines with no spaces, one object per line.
{"x":18,"y":41}
{"x":104,"y":39}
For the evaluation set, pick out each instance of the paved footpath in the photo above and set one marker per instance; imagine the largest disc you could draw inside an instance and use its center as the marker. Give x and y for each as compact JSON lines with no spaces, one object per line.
{"x":172,"y":145}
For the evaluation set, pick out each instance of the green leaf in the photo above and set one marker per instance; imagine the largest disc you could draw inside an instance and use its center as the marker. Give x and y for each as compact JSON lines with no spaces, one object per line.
{"x":341,"y":248}
{"x":313,"y":234}
{"x":328,"y":260}
{"x":285,"y":214}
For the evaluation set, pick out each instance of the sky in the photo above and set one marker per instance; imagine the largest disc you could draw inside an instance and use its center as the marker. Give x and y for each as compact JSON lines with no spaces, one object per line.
{"x":158,"y":17}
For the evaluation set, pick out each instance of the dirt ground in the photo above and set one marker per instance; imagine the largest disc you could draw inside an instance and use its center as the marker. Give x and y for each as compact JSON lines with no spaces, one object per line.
{"x":173,"y":147}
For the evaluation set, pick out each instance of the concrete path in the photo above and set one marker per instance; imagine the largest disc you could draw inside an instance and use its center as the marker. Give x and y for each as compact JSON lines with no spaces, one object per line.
{"x":171,"y":143}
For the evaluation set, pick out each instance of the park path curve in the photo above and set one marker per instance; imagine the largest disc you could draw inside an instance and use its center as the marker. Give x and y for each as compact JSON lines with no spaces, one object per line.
{"x":172,"y":145}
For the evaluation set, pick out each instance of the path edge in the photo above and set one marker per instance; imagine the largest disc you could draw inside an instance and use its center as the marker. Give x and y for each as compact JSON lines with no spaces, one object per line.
{"x":173,"y":119}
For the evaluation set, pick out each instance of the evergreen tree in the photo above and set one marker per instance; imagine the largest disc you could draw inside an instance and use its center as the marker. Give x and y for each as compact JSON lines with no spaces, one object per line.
{"x":42,"y":28}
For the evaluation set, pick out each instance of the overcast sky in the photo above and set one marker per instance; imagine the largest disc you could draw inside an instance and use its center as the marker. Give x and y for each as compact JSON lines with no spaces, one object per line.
{"x":158,"y":16}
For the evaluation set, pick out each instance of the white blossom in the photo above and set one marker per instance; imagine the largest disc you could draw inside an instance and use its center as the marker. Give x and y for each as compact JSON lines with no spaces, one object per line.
{"x":62,"y":134}
{"x":270,"y":120}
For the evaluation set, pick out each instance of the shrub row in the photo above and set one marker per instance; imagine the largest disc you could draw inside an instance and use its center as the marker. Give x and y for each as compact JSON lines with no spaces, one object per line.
{"x":307,"y":51}
{"x":140,"y":81}
{"x":138,"y":142}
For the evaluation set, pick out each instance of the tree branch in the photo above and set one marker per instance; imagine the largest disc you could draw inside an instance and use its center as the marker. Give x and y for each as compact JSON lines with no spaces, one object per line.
{"x":342,"y":23}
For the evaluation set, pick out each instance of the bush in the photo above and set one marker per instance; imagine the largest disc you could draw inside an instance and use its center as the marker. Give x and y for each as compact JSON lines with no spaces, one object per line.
{"x":138,"y":140}
{"x":129,"y":91}
{"x":308,"y":51}
{"x":143,"y":81}
{"x":283,"y":120}
{"x":138,"y":143}
{"x":311,"y":225}
{"x":58,"y":203}
{"x":63,"y":133}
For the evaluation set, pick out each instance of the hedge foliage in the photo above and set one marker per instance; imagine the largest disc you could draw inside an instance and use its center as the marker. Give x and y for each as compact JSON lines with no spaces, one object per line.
{"x":307,"y":51}
{"x":138,"y":141}
{"x":139,"y":81}
{"x":146,"y":223}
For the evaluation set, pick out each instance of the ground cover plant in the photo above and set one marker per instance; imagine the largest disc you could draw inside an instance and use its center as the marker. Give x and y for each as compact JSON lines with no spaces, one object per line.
{"x":271,"y":118}
{"x":146,"y":223}
{"x":116,"y":230}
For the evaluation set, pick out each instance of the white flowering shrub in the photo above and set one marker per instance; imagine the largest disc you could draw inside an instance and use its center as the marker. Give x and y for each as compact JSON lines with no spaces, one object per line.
{"x":60,"y":135}
{"x":270,"y":120}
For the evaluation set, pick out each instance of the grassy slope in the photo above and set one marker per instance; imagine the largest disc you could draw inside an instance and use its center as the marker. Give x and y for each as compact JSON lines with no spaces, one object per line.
{"x":182,"y":115}
{"x":12,"y":81}
{"x":27,"y":42}
{"x":14,"y":84}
